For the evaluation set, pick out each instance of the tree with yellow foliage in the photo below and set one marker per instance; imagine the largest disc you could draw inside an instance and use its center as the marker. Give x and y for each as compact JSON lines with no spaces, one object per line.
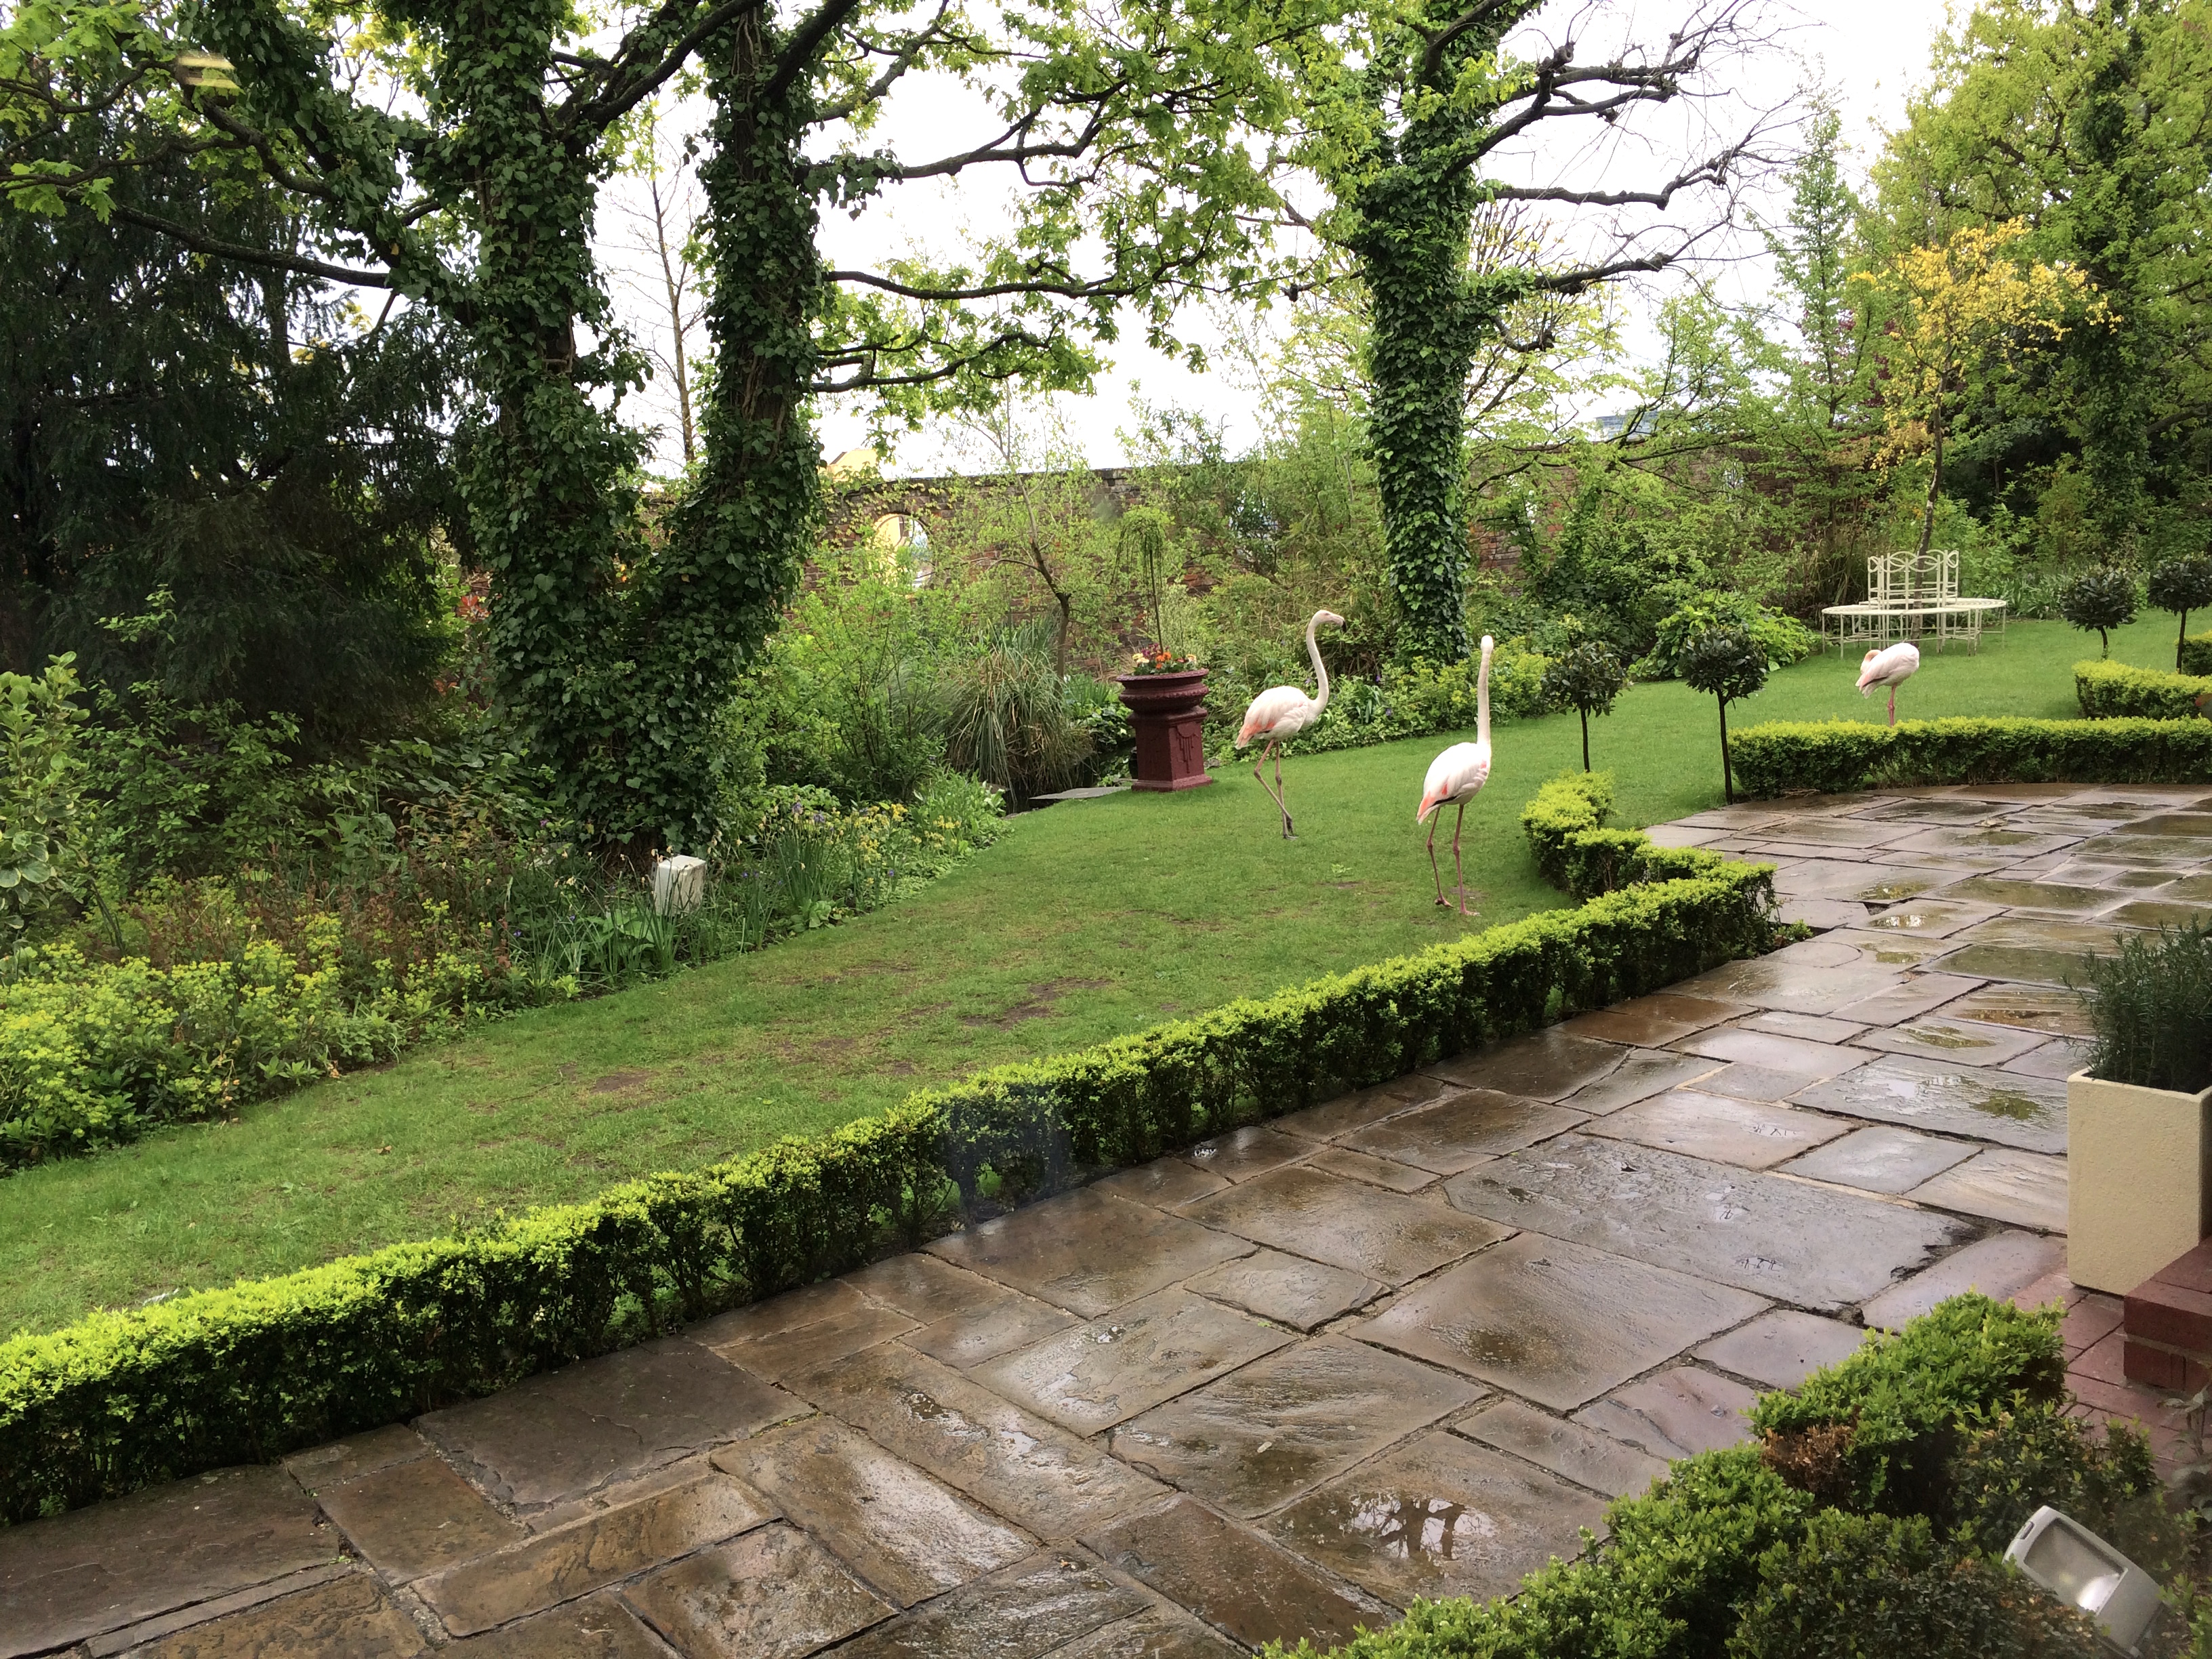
{"x":1952,"y":310}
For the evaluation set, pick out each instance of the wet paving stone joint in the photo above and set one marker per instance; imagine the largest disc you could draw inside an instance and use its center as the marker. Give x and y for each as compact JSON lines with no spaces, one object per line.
{"x":1405,"y":1343}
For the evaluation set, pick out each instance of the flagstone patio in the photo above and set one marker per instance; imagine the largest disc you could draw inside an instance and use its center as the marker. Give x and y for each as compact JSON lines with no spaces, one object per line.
{"x":1407,"y":1343}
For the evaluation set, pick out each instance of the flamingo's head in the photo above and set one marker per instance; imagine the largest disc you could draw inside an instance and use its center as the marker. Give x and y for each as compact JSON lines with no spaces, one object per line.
{"x":1330,"y":617}
{"x":1489,"y":645}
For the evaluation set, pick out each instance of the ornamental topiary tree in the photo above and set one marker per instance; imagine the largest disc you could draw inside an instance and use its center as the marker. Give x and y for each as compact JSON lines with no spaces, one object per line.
{"x":1728,"y":664}
{"x":2103,"y":599}
{"x":2182,"y":585}
{"x":1585,"y":678}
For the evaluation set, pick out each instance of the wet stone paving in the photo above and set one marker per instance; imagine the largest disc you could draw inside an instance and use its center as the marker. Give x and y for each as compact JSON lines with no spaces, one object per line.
{"x":1405,"y":1343}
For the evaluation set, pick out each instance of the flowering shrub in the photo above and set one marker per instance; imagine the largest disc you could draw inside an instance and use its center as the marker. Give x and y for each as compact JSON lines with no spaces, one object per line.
{"x":1158,"y":659}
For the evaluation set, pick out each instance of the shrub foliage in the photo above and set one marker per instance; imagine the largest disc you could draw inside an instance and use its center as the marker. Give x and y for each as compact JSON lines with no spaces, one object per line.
{"x":1837,"y":756}
{"x":2152,"y":1008}
{"x":2111,"y":691}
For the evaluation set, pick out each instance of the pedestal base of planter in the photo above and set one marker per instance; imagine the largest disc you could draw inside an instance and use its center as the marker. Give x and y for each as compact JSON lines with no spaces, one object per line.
{"x":1167,"y":712}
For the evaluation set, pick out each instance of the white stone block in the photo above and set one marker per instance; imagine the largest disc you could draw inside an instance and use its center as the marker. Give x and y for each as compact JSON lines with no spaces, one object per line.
{"x":679,"y":884}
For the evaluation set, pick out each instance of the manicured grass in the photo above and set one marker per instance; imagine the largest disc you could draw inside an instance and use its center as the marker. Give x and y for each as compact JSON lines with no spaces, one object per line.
{"x":1085,"y":922}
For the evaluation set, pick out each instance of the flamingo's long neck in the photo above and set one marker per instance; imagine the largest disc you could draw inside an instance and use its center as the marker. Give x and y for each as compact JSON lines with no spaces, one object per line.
{"x":1321,"y":668}
{"x":1482,"y":700}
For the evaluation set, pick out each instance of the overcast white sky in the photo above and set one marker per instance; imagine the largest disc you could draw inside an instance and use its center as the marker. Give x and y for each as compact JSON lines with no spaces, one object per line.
{"x":1868,"y":52}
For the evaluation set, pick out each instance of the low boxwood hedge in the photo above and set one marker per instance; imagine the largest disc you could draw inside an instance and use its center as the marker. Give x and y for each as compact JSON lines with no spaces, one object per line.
{"x":2111,"y":691}
{"x":1761,"y":1553}
{"x":121,"y":1400}
{"x":1838,"y":757}
{"x":1563,"y":821}
{"x":2196,"y":653}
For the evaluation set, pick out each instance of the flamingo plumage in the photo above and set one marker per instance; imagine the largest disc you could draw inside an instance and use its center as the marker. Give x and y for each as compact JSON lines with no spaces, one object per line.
{"x":1457,"y":775}
{"x":1282,"y":712}
{"x":1892,"y":668}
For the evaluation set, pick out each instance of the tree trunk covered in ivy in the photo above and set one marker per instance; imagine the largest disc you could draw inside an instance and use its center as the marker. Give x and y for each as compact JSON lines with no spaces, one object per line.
{"x":622,"y":655}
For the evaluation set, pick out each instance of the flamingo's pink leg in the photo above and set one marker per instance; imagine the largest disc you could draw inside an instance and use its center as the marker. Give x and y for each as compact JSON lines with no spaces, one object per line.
{"x":1893,"y":705}
{"x":1434,"y":818}
{"x":1458,"y":874}
{"x":1274,"y":794}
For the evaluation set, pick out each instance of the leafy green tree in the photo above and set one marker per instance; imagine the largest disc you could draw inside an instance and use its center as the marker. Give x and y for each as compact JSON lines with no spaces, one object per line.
{"x":2085,"y":123}
{"x":2181,"y":586}
{"x":1406,"y":141}
{"x":1728,"y":664}
{"x":2102,"y":600}
{"x":1586,"y":678}
{"x":474,"y":194}
{"x":259,"y":475}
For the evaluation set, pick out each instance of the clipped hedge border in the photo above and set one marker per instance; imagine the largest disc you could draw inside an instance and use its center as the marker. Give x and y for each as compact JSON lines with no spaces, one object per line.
{"x":120,"y":1400}
{"x":2196,"y":656}
{"x":1563,"y":823}
{"x":1840,"y":757}
{"x":2112,"y":690}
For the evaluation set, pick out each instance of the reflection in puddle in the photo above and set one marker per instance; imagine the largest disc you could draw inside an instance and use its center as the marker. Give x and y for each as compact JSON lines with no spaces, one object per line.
{"x":1406,"y":1526}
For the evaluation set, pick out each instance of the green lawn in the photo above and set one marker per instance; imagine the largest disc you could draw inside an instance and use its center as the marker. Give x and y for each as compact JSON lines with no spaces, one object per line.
{"x":1084,"y":921}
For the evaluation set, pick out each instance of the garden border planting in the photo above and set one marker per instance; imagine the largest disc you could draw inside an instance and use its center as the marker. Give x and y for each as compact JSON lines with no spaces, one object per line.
{"x":2110,"y":690}
{"x":123,"y":1400}
{"x":1881,"y":1496}
{"x":2196,"y":653}
{"x":1841,"y":757}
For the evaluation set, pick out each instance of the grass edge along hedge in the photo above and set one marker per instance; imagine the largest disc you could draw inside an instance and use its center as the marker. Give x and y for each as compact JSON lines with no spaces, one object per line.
{"x":1842,"y":756}
{"x":1678,"y":1569}
{"x":124,"y":1398}
{"x":2113,"y":691}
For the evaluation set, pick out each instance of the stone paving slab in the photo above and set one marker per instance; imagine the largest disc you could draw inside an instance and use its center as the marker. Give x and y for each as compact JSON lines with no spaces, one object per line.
{"x":1566,"y":1448}
{"x":1746,"y":1133}
{"x":1095,"y":1375}
{"x":1682,"y":1411}
{"x":1439,"y":1517}
{"x":1029,"y":1611}
{"x":350,"y":1617}
{"x":1881,"y":1159}
{"x":1968,"y":1101}
{"x":557,"y":1436}
{"x":908,"y":1536}
{"x":1780,"y":1350}
{"x":598,"y":1627}
{"x":587,"y":1554}
{"x":1029,"y":1471}
{"x":1089,"y":1254}
{"x":1346,"y":1225}
{"x":1462,"y":1129}
{"x":1817,"y":1247}
{"x":1287,"y":1290}
{"x":1252,"y":1441}
{"x":774,"y":1594}
{"x":1555,"y":1322}
{"x":97,"y":1569}
{"x":1235,"y":1580}
{"x":1403,"y":1342}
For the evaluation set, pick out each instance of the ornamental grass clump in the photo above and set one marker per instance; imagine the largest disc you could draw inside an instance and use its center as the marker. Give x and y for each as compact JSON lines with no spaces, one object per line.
{"x":2151,"y":1006}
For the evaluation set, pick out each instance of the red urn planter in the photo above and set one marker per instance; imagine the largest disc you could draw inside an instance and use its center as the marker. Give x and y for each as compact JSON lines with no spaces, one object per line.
{"x":1168,"y":712}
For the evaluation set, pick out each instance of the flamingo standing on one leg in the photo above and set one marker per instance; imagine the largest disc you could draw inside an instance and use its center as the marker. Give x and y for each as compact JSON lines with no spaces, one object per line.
{"x":1458,"y":775}
{"x":1283,"y":712}
{"x":1891,"y":668}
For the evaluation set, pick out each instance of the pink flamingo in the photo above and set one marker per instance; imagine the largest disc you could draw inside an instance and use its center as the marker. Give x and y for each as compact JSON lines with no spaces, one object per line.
{"x":1458,"y":775}
{"x":1282,"y":712}
{"x":1891,"y":668}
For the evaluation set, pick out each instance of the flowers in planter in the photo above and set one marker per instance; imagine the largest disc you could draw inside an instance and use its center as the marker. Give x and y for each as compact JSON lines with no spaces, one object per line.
{"x":1158,"y":659}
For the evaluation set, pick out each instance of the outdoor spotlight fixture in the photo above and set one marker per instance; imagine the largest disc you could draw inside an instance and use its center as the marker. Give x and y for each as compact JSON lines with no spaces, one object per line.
{"x":205,"y":71}
{"x":2084,"y":1571}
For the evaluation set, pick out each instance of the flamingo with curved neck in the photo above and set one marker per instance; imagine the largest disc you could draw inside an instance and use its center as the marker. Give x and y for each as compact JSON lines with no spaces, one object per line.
{"x":1281,"y":712}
